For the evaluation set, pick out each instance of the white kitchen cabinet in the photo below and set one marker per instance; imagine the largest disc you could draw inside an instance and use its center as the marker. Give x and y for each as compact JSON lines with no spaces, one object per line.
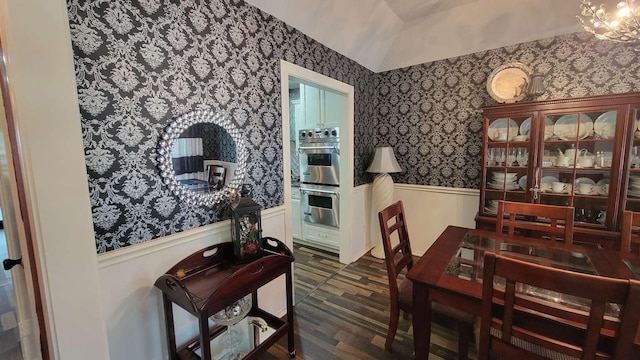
{"x":321,"y":237}
{"x":334,"y":108}
{"x":321,"y":108}
{"x":311,"y":99}
{"x":297,"y":215}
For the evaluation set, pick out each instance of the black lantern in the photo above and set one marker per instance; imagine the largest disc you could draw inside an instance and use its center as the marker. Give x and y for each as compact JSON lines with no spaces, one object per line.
{"x":246,"y":229}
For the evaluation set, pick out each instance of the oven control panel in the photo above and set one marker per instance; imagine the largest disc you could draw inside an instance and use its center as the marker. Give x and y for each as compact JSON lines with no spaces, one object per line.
{"x":319,"y":135}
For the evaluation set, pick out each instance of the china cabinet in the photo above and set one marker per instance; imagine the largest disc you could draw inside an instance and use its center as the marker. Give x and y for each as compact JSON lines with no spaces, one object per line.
{"x":581,"y":152}
{"x":209,"y":281}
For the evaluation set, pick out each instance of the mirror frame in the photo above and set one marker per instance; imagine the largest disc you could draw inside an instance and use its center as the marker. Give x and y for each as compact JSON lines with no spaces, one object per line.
{"x":165,"y":163}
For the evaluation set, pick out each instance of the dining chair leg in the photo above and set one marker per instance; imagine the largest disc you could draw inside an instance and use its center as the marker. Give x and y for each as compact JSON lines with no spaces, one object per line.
{"x":465,"y":332}
{"x":393,"y":327}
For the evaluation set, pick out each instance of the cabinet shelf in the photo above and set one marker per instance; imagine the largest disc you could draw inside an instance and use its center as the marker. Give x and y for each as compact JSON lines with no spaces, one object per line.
{"x":541,"y":122}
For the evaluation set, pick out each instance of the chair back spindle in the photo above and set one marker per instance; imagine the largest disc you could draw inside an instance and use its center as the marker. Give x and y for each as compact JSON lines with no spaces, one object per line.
{"x":536,"y":220}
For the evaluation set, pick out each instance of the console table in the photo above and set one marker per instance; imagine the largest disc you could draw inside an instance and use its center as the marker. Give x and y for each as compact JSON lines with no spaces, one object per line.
{"x":208,"y":280}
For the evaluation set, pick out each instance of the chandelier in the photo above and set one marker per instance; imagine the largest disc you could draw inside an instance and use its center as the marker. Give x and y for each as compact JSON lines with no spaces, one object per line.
{"x":622,"y":25}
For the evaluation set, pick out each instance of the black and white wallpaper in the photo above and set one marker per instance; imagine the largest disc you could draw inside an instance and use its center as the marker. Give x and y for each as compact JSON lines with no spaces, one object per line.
{"x":432,"y":113}
{"x":141,"y":63}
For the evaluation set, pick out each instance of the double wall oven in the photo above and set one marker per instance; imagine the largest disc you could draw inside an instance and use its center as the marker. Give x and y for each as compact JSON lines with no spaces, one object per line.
{"x":320,"y":176}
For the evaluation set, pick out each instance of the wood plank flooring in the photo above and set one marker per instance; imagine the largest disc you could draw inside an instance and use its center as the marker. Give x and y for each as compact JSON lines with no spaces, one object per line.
{"x":342,"y":312}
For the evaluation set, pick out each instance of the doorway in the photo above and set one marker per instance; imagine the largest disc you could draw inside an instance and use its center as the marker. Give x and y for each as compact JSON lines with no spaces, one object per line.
{"x":292,"y":76}
{"x":19,"y":327}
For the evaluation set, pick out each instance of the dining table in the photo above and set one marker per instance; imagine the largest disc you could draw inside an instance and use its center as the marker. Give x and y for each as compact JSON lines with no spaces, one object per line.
{"x":450,"y":271}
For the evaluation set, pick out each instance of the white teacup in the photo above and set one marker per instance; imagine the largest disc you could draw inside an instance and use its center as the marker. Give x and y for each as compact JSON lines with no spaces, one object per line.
{"x":585,"y":189}
{"x":545,"y":187}
{"x":559,"y":187}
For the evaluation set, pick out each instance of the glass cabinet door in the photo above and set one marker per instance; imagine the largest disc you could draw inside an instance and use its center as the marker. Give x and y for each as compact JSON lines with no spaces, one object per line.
{"x":576,"y":161}
{"x":507,"y":157}
{"x":632,"y":201}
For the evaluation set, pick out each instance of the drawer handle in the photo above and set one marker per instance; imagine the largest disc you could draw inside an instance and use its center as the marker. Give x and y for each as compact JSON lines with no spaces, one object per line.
{"x":256,"y":269}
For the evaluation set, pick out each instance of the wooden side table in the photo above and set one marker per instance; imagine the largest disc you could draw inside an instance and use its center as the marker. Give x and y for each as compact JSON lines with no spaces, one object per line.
{"x":208,"y":280}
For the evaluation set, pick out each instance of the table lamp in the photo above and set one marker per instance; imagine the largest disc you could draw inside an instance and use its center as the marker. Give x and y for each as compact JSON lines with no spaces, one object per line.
{"x":384,"y":162}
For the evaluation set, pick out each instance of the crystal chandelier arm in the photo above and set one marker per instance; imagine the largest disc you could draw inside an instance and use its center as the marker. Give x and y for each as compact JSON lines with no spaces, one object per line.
{"x":623,"y":26}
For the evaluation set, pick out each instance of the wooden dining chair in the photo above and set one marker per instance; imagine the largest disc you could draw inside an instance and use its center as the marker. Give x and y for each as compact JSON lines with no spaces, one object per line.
{"x":630,"y":234}
{"x":398,"y":258}
{"x":557,"y":225}
{"x":525,"y":313}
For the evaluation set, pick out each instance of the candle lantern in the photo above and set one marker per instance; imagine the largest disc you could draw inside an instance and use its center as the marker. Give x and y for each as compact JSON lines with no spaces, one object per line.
{"x":246,"y":229}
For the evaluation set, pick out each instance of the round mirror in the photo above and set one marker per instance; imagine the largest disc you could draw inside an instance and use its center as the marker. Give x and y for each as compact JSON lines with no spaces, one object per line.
{"x":202,"y":157}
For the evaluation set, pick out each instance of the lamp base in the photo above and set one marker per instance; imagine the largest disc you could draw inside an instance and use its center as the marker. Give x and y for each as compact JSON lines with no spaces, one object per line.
{"x":382,"y":196}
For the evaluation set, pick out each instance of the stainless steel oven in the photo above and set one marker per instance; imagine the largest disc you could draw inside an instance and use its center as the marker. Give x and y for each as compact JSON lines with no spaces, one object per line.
{"x":320,"y":156}
{"x":320,"y":204}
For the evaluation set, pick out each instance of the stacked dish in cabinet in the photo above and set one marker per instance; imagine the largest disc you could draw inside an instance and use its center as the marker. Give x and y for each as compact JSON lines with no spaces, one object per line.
{"x":506,"y":158}
{"x":506,"y":181}
{"x":577,"y":160}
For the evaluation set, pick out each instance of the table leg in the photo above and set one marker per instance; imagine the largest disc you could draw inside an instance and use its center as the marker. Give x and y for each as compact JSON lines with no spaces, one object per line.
{"x":421,"y":321}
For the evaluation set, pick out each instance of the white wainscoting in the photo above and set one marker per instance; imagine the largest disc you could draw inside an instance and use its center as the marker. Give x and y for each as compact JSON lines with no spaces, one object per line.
{"x":359,"y":242}
{"x":430,"y":209}
{"x":132,"y":306}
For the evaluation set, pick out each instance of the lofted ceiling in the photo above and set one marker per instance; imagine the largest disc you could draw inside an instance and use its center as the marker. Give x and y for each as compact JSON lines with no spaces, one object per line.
{"x":389,"y":34}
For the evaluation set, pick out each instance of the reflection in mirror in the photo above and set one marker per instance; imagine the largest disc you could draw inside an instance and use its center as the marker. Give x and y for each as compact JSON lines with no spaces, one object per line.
{"x":202,"y":157}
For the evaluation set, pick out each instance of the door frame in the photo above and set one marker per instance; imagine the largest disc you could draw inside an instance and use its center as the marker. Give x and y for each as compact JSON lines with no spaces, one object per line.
{"x":16,"y":215}
{"x":288,"y":70}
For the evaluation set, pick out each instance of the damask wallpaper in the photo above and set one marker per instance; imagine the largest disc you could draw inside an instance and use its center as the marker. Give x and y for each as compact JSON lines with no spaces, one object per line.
{"x":432,"y":113}
{"x":141,"y":63}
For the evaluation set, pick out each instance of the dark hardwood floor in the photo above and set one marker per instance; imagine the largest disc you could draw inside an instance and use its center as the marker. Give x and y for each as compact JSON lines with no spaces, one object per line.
{"x":342,"y":312}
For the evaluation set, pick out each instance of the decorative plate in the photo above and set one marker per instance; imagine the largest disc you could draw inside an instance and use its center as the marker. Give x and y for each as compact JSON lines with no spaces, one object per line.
{"x":584,"y":180}
{"x":567,"y":127}
{"x":548,"y":179}
{"x":503,"y":129}
{"x":548,"y":128}
{"x":523,"y":182}
{"x":605,"y":125}
{"x":525,"y":127}
{"x":507,"y":83}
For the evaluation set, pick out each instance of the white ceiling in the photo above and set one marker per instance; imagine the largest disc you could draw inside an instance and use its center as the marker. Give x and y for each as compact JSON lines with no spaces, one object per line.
{"x":389,"y":34}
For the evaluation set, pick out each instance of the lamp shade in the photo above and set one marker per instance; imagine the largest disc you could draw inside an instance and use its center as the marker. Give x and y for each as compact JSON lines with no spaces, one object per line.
{"x":384,"y":161}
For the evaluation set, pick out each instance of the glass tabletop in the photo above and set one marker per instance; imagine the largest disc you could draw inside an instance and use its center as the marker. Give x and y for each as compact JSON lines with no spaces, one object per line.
{"x":467,"y":264}
{"x":634,"y":265}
